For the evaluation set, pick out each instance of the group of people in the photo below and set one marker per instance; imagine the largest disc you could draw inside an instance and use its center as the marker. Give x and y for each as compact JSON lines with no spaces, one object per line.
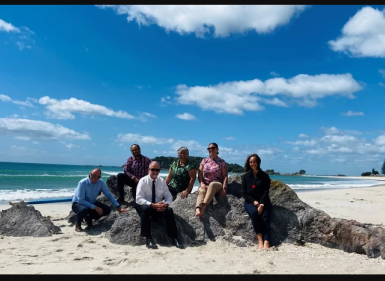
{"x":153,"y":195}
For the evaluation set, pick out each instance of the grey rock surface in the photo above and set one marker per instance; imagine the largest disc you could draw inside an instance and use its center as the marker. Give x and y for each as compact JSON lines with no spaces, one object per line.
{"x":23,"y":220}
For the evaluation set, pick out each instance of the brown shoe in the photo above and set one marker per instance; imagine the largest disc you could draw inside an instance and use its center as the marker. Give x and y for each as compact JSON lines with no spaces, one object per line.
{"x":78,"y":227}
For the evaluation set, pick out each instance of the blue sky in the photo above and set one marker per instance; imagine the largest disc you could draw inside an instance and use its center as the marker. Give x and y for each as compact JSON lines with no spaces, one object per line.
{"x":302,"y":86}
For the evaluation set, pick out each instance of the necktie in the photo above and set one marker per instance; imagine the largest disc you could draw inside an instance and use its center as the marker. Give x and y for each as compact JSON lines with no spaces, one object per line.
{"x":153,"y":191}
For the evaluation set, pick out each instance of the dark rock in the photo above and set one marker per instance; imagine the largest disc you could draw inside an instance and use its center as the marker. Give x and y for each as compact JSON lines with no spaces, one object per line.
{"x":23,"y":220}
{"x":112,"y":183}
{"x":292,"y":221}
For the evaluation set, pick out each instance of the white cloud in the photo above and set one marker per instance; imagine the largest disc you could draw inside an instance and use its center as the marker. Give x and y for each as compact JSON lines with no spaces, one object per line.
{"x":185,"y":116}
{"x":275,"y":101}
{"x":6,"y":98}
{"x":38,"y":130}
{"x":331,"y":130}
{"x":273,"y":73}
{"x":339,"y":142}
{"x":336,"y":131}
{"x":381,"y":84}
{"x":70,"y":145}
{"x":303,"y":136}
{"x":164,"y":101}
{"x":222,"y":20}
{"x":382,"y":71}
{"x":137,"y":138}
{"x":352,"y":113}
{"x":305,"y":142}
{"x":7,"y":27}
{"x":380,"y":140}
{"x":363,"y":35}
{"x":22,"y":45}
{"x":238,"y":96}
{"x":339,"y":139}
{"x":27,"y":29}
{"x":24,"y":38}
{"x":144,"y":116}
{"x":63,"y":109}
{"x":229,"y":138}
{"x":192,"y":145}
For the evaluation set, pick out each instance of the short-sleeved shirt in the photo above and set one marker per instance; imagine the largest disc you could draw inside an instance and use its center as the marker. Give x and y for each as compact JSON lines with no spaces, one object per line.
{"x":180,"y":176}
{"x":212,"y":169}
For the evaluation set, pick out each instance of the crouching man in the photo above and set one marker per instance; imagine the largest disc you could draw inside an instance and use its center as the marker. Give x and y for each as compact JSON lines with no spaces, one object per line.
{"x":84,"y":202}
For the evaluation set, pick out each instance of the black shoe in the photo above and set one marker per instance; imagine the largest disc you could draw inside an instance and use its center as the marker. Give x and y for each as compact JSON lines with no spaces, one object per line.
{"x":150,"y":244}
{"x":176,"y":243}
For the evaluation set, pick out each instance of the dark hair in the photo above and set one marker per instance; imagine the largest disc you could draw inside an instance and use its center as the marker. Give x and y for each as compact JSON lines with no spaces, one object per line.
{"x":136,"y":145}
{"x":214,"y":144}
{"x":247,"y":164}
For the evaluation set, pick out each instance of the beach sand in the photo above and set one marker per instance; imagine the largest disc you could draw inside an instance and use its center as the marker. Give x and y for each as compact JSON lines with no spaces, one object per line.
{"x":81,"y":253}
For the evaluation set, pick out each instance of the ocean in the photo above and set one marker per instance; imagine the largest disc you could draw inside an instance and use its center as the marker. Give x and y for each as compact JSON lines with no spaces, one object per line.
{"x":30,"y":181}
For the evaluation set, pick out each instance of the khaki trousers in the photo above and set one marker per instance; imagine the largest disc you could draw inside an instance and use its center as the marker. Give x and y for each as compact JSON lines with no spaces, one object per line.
{"x":205,"y":196}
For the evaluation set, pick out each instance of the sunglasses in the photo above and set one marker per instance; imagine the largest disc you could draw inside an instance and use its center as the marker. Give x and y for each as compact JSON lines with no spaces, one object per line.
{"x":157,"y":170}
{"x":95,"y":177}
{"x":211,"y":148}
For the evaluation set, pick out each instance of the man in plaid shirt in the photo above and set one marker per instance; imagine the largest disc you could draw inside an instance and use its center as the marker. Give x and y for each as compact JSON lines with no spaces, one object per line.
{"x":135,"y":168}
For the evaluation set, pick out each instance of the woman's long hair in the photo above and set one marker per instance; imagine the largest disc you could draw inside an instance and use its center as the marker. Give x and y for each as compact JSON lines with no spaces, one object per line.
{"x":247,"y":164}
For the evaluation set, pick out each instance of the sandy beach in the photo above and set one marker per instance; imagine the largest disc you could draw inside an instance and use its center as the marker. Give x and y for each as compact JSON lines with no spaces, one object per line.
{"x":82,"y":253}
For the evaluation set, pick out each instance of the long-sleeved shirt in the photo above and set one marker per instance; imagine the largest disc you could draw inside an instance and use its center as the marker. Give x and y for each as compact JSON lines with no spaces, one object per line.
{"x":256,"y":188}
{"x":137,"y":168}
{"x":144,"y":191}
{"x":86,"y":193}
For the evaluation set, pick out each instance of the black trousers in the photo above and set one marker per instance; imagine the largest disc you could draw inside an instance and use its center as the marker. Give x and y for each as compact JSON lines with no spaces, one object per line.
{"x":124,"y":179}
{"x":261,"y":223}
{"x":82,"y":211}
{"x":147,"y":214}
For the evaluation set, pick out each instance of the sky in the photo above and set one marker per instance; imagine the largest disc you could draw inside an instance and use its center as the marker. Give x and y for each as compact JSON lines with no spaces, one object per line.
{"x":301,"y":86}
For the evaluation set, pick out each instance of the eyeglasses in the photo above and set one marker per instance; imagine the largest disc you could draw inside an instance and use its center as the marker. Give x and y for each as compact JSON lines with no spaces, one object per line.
{"x":211,"y":148}
{"x":157,"y":170}
{"x":94,"y":176}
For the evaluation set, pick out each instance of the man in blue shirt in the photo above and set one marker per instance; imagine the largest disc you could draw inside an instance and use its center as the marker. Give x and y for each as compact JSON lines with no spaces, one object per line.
{"x":84,"y":202}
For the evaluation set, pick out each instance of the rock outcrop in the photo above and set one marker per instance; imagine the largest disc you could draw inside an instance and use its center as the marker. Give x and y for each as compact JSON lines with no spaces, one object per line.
{"x":23,"y":220}
{"x":292,"y":221}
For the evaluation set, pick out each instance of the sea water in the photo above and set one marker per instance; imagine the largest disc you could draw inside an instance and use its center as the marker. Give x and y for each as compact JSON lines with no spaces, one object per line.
{"x":29,"y":181}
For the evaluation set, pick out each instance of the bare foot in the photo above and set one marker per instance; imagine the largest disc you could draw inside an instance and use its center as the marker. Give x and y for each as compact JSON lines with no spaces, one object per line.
{"x":203,"y":208}
{"x":260,"y":241}
{"x":266,"y":245}
{"x":198,"y":212}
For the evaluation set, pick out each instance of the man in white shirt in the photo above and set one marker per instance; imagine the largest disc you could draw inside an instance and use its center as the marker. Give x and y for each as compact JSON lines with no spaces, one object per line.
{"x":152,"y":206}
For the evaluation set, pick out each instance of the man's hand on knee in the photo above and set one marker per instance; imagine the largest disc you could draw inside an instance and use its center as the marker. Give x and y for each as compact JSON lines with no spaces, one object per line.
{"x":99,"y":210}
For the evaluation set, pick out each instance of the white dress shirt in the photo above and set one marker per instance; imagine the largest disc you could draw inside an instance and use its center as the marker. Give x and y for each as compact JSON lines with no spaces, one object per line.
{"x":144,"y":191}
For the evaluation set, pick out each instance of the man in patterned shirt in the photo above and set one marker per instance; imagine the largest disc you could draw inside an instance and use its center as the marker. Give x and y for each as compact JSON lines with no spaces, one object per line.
{"x":135,"y":168}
